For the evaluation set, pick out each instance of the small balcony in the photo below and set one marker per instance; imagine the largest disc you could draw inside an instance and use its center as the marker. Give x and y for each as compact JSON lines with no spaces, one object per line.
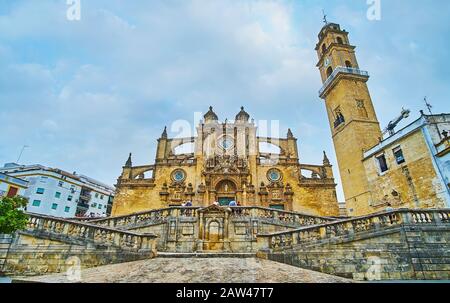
{"x":82,"y":206}
{"x":342,"y":70}
{"x":86,"y":197}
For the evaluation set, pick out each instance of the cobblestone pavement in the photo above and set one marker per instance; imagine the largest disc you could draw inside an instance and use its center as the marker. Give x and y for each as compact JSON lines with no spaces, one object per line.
{"x":197,"y":270}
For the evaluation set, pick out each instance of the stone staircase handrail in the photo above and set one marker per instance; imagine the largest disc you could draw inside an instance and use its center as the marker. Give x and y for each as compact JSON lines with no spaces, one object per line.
{"x":90,"y":233}
{"x":373,"y":222}
{"x":159,"y":215}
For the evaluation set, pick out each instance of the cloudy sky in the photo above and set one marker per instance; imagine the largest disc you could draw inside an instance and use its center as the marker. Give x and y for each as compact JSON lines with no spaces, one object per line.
{"x":83,"y":94}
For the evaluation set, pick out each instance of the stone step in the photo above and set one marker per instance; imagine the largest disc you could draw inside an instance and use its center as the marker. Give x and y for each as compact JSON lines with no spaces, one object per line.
{"x":205,"y":254}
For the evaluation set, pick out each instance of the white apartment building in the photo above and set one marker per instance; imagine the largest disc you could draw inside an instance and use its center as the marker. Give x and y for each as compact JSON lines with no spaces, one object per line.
{"x":57,"y":193}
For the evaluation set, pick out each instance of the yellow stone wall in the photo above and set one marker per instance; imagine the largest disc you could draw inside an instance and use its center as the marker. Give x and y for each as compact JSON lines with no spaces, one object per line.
{"x":348,"y":94}
{"x":131,"y":199}
{"x":314,"y":200}
{"x":317,"y":200}
{"x":352,"y":138}
{"x":417,"y":188}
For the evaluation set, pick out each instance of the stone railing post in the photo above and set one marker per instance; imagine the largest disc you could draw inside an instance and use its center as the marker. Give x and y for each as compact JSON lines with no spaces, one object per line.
{"x":65,"y":230}
{"x":406,"y":217}
{"x":323,"y":232}
{"x":294,"y":239}
{"x":116,"y":239}
{"x":254,"y":212}
{"x":350,"y":229}
{"x":375,"y":222}
{"x":275,"y":215}
{"x":263,"y":243}
{"x":436,"y":217}
{"x":40,"y":223}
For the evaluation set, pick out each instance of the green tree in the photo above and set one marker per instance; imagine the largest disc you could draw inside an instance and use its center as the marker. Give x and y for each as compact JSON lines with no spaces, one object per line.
{"x":12,"y":216}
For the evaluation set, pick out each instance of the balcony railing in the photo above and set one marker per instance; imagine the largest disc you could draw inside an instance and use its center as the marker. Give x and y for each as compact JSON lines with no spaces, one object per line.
{"x":344,"y":70}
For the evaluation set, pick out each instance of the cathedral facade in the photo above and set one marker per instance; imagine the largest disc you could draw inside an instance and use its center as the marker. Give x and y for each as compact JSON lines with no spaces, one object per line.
{"x":227,"y":165}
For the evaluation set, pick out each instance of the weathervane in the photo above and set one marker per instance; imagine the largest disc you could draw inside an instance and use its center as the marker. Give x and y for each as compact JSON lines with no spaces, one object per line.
{"x":428,"y":105}
{"x":324,"y":17}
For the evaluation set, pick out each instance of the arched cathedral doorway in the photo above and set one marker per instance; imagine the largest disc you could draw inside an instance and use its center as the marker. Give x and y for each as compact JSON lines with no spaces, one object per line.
{"x":226,"y":192}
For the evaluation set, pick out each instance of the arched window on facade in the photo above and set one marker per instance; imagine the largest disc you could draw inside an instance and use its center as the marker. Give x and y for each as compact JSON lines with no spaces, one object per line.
{"x":339,"y":40}
{"x":329,"y":71}
{"x":348,"y":64}
{"x":324,"y":48}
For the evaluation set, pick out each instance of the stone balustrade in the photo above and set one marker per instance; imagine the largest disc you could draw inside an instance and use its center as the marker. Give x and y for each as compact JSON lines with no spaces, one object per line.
{"x":279,"y":216}
{"x":145,"y":218}
{"x":90,"y":233}
{"x":161,"y":215}
{"x":371,"y":223}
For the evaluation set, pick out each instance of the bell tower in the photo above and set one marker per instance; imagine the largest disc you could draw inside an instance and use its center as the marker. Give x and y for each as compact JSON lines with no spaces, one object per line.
{"x":353,"y":121}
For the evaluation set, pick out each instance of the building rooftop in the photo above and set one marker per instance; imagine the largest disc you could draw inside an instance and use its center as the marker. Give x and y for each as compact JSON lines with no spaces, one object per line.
{"x":14,"y":167}
{"x":405,"y":131}
{"x":8,"y":178}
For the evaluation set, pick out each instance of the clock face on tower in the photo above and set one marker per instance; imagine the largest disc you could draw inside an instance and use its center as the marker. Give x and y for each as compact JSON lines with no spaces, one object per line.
{"x":226,"y":142}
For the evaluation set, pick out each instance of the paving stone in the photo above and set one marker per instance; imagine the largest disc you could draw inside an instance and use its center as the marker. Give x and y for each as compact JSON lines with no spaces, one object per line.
{"x":197,"y":270}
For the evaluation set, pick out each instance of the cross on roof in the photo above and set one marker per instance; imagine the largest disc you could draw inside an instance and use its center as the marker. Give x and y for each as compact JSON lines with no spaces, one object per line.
{"x":428,"y":105}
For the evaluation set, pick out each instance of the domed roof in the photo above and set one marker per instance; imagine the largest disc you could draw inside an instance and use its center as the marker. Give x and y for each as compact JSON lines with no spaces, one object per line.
{"x":242,"y":115}
{"x":211,"y":115}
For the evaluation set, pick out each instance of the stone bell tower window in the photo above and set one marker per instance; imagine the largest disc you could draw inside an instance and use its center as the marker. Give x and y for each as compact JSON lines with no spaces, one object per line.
{"x":339,"y":117}
{"x":329,"y":71}
{"x":348,"y":64}
{"x":339,"y":40}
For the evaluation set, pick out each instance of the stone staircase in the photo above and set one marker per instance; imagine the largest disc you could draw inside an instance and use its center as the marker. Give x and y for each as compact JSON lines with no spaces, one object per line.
{"x":50,"y":244}
{"x":400,"y":244}
{"x":206,"y":254}
{"x":397,"y":245}
{"x":5,"y":243}
{"x":159,"y":216}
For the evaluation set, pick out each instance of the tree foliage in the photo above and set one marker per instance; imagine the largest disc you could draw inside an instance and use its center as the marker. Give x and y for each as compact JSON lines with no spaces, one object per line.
{"x":12,"y":215}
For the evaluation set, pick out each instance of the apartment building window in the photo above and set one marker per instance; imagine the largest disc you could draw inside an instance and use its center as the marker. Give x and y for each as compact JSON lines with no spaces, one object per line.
{"x":36,"y":203}
{"x":40,"y":191}
{"x":69,"y":198}
{"x":99,"y":206}
{"x":94,"y":205}
{"x":96,"y":195}
{"x":382,"y":163}
{"x":44,"y":179}
{"x":57,"y":195}
{"x":60,"y":183}
{"x":398,"y":154}
{"x":54,"y":206}
{"x":101,"y":197}
{"x":67,"y":209}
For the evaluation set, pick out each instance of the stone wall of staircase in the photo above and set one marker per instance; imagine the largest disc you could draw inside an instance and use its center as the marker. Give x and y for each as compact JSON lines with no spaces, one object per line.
{"x":5,"y":243}
{"x":54,"y":245}
{"x":409,"y":245}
